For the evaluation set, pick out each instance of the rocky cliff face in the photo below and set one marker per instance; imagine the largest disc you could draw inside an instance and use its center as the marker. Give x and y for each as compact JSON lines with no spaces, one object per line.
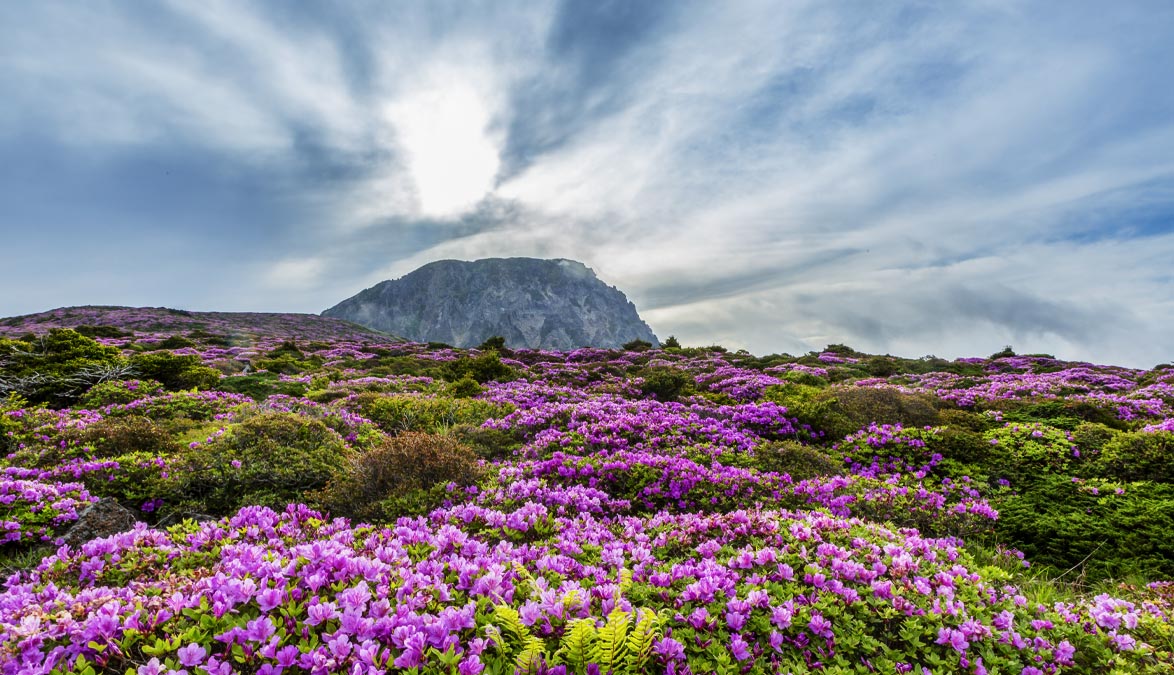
{"x":532,"y":303}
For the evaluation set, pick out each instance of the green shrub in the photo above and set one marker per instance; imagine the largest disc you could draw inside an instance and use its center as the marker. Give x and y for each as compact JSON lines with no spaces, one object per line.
{"x":269,"y":460}
{"x":489,"y":444}
{"x":864,"y":405}
{"x":881,"y":366}
{"x":119,"y":391}
{"x":466,"y":387}
{"x":56,"y":367}
{"x":1087,"y":525}
{"x":261,"y":386}
{"x":495,"y":343}
{"x":1138,"y":456}
{"x":795,"y":459}
{"x":174,"y":371}
{"x":1091,"y":438}
{"x":637,"y":346}
{"x":123,"y":435}
{"x":956,"y":418}
{"x":665,"y":383}
{"x":399,"y":413}
{"x":1061,"y":414}
{"x":398,"y":477}
{"x":484,"y":368}
{"x":175,"y":342}
{"x":671,"y":342}
{"x":812,"y":409}
{"x":1023,"y":453}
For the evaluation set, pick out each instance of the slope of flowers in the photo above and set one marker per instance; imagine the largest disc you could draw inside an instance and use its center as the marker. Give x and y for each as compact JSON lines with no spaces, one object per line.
{"x":664,"y":511}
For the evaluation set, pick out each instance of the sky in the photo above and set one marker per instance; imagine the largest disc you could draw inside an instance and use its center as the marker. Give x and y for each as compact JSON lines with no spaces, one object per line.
{"x":910,"y":178}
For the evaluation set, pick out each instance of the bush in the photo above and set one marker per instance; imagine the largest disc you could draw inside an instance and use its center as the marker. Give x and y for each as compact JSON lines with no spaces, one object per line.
{"x":1138,"y":456}
{"x":495,"y":343}
{"x":119,"y":391}
{"x":269,"y":460}
{"x":484,"y":368}
{"x":665,"y":383}
{"x":56,"y":367}
{"x":1087,"y":525}
{"x":671,"y":343}
{"x":489,"y":444}
{"x":798,"y":461}
{"x":637,"y":346}
{"x":397,"y":414}
{"x":466,"y":387}
{"x":811,"y":408}
{"x":1060,"y":414}
{"x":122,"y":435}
{"x":175,"y":372}
{"x":865,"y":405}
{"x":261,"y":386}
{"x":398,"y":477}
{"x":1024,"y":453}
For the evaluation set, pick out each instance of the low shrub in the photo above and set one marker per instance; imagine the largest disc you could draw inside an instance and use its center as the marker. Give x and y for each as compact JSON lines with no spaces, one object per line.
{"x":175,"y":371}
{"x":798,"y":461}
{"x":261,"y":386}
{"x":1097,"y":528}
{"x":665,"y":383}
{"x":483,"y":368}
{"x":866,"y":405}
{"x":397,"y":414}
{"x":119,"y":391}
{"x":1138,"y":456}
{"x":398,"y":477}
{"x":271,"y":459}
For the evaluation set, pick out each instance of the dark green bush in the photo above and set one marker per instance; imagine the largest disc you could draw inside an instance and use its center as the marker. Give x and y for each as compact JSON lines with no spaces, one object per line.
{"x":269,"y":460}
{"x":118,"y":391}
{"x":123,"y":435}
{"x":261,"y":386}
{"x":1091,"y":438}
{"x":57,"y":367}
{"x":466,"y":387}
{"x":1138,"y":456}
{"x":483,"y":368}
{"x":1088,"y":526}
{"x":398,"y":477}
{"x":102,"y":331}
{"x":865,"y":405}
{"x":489,"y":444}
{"x":1057,"y":413}
{"x":812,"y":409}
{"x":175,"y":372}
{"x":795,"y":459}
{"x":399,"y":413}
{"x":175,"y":342}
{"x":671,"y":342}
{"x":665,"y":383}
{"x":881,"y":366}
{"x":637,"y":346}
{"x":495,"y":343}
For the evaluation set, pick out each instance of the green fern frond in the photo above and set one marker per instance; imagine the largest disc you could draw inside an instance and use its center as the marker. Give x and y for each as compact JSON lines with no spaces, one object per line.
{"x":611,"y":644}
{"x":639,"y":643}
{"x":532,"y":656}
{"x":511,"y":623}
{"x":577,"y":641}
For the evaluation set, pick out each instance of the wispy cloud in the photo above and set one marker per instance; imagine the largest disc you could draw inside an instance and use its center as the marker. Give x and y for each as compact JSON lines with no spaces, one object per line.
{"x":904,"y":177}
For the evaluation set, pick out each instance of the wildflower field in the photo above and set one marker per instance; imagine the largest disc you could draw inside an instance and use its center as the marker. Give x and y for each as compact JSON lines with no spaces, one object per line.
{"x":314,"y":500}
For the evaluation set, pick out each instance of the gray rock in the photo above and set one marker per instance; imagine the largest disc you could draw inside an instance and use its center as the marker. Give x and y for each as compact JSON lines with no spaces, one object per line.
{"x":532,"y":303}
{"x":100,"y":519}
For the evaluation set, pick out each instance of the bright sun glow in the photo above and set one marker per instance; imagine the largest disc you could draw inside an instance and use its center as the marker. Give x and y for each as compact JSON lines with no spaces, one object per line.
{"x":451,"y":156}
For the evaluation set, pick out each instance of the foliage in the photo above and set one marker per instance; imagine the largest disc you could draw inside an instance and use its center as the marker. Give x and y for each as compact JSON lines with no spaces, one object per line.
{"x":271,"y":459}
{"x":485,"y":367}
{"x":1138,"y":456}
{"x":665,"y":384}
{"x":396,"y":414}
{"x":174,"y":371}
{"x":380,"y":483}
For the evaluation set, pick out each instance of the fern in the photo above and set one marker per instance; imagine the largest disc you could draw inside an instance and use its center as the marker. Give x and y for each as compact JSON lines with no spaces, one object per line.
{"x":511,"y":623}
{"x":611,"y":646}
{"x":576,"y":644}
{"x":532,"y":657}
{"x":639,"y":643}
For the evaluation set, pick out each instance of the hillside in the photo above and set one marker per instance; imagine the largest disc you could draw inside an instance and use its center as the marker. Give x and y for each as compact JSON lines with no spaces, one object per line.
{"x":532,"y":303}
{"x":339,"y":506}
{"x":237,"y":327}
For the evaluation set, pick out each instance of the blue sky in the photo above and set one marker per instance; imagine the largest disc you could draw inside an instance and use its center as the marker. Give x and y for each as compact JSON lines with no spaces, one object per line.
{"x":914,"y":178}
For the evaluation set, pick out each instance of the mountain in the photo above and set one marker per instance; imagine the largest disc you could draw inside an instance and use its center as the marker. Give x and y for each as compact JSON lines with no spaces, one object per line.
{"x":236,"y":326}
{"x":532,"y":303}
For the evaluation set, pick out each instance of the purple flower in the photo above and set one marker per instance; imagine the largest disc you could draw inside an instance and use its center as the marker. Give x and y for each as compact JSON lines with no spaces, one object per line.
{"x":191,"y":655}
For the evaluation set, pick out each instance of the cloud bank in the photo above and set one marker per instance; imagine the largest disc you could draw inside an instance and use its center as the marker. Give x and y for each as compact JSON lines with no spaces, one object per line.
{"x":902,"y":177}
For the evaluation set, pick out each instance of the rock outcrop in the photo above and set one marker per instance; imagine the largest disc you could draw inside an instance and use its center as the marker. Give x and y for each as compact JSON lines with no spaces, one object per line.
{"x":532,"y":303}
